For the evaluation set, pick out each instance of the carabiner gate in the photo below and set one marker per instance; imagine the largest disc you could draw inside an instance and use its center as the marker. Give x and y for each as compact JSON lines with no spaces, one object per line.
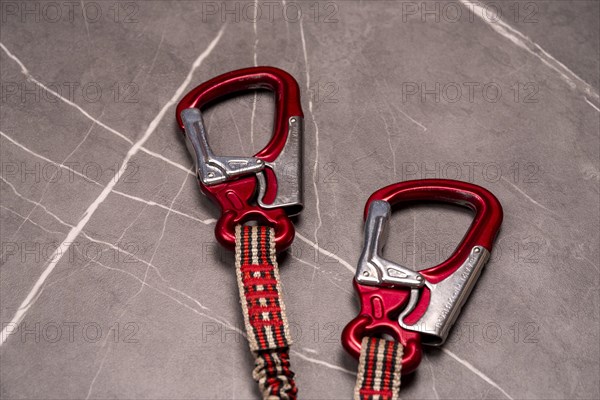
{"x":266,"y":187}
{"x":415,"y":307}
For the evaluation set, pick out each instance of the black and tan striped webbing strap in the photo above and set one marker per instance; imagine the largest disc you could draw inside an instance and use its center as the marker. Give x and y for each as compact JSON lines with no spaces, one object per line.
{"x":264,"y":311}
{"x":379,"y":369}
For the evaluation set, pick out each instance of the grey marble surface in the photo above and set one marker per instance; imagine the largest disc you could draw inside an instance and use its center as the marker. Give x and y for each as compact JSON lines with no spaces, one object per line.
{"x":112,"y":285}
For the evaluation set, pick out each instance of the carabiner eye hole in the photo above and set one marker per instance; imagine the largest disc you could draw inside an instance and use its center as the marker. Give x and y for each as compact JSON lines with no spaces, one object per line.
{"x":371,"y":322}
{"x":277,"y":219}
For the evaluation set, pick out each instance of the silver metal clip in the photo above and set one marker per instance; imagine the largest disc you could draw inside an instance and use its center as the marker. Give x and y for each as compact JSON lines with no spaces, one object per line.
{"x":211,"y":169}
{"x":373,"y":269}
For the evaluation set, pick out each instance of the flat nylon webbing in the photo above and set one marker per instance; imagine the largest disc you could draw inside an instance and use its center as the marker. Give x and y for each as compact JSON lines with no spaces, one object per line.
{"x":264,"y":312}
{"x":379,"y":369}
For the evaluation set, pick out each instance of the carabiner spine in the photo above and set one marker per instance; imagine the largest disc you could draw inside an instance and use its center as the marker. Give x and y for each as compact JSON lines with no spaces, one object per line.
{"x":446,"y":300}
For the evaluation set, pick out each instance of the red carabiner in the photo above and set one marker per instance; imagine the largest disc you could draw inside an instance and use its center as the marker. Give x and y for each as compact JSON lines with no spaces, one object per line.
{"x":235,"y":182}
{"x":424,"y":308}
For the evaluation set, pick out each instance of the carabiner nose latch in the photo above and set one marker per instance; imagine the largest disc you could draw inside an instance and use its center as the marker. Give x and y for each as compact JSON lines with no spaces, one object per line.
{"x":211,"y":169}
{"x":373,"y":269}
{"x":287,"y":167}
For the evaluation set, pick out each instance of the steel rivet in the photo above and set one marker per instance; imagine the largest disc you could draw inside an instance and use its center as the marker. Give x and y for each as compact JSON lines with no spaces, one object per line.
{"x":366,"y":273}
{"x":211,"y":175}
{"x":477,"y":250}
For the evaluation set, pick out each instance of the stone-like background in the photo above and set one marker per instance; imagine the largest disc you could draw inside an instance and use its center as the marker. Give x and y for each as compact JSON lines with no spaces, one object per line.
{"x":112,"y":285}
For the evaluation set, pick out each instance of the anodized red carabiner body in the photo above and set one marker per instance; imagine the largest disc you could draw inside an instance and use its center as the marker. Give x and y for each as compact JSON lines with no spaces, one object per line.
{"x":235,"y":197}
{"x":380,"y":306}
